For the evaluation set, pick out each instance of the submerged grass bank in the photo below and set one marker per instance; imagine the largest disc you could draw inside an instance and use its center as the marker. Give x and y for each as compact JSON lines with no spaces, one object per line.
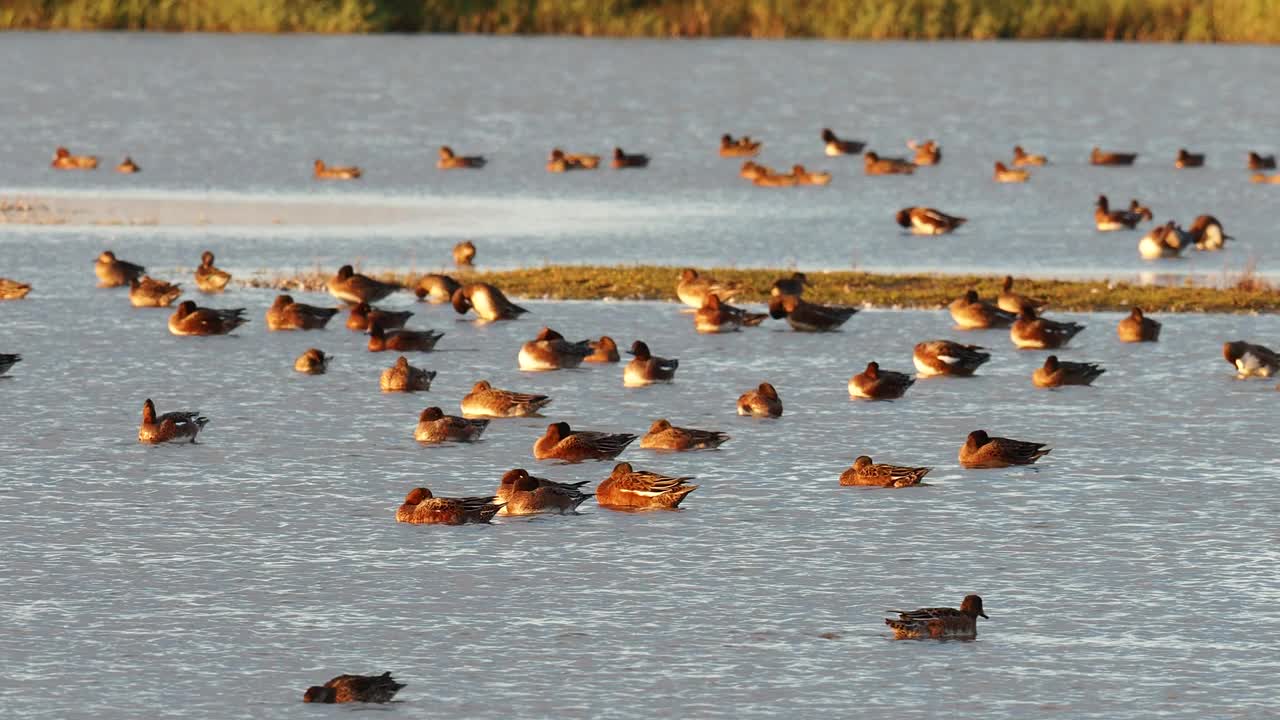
{"x":648,"y":282}
{"x":1238,"y":21}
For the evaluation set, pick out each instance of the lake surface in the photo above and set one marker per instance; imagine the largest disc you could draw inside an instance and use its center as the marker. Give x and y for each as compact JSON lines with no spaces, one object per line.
{"x":1131,"y":573}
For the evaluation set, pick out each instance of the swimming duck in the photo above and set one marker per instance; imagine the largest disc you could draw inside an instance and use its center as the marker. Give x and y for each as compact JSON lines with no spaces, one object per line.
{"x":114,"y":273}
{"x":381,"y":340}
{"x":312,"y":362}
{"x":8,"y":360}
{"x":867,"y":473}
{"x":751,"y":170}
{"x":873,"y":164}
{"x":353,"y":288}
{"x":1056,"y":373}
{"x":1138,"y":328}
{"x":716,"y":317}
{"x":938,"y":623}
{"x":449,"y":161}
{"x":604,"y":350}
{"x":804,"y":177}
{"x":550,"y":351}
{"x":622,"y":160}
{"x":693,"y":289}
{"x":742,"y":147}
{"x":285,"y":314}
{"x":562,"y":162}
{"x":403,"y":377}
{"x":210,"y":279}
{"x":436,"y":288}
{"x":1142,"y":211}
{"x":640,"y":490}
{"x":645,"y":368}
{"x":1021,"y":158}
{"x":1249,"y":359}
{"x":339,"y":172}
{"x":1188,"y":160}
{"x":149,"y":292}
{"x":1260,"y":162}
{"x":1004,"y":175}
{"x":560,"y":442}
{"x":772,"y":179}
{"x":876,"y":384}
{"x":362,"y":316}
{"x":488,"y":302}
{"x":189,"y":319}
{"x":486,"y":401}
{"x":436,"y":427}
{"x":983,"y":451}
{"x":1030,"y":332}
{"x":179,"y":426}
{"x":1207,"y":233}
{"x":1012,"y":302}
{"x":944,"y":357}
{"x":354,"y":688}
{"x":763,"y":401}
{"x":927,"y":152}
{"x":928,"y":221}
{"x":464,"y":254}
{"x":809,"y":317}
{"x":972,"y":313}
{"x":1106,"y":219}
{"x":422,"y":508}
{"x":127,"y":166}
{"x":663,"y":435}
{"x":1098,"y":157}
{"x":528,"y":495}
{"x":64,"y":160}
{"x":793,"y":285}
{"x":13,"y":290}
{"x":834,"y":146}
{"x":1262,"y":179}
{"x":1163,"y":241}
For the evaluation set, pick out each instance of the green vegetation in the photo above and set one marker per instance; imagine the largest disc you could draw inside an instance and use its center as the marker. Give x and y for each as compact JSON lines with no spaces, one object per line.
{"x":1239,"y":21}
{"x":646,"y":282}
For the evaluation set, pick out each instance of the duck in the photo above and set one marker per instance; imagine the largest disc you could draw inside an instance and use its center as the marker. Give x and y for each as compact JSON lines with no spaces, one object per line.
{"x":1056,"y":373}
{"x":983,"y":451}
{"x":1163,"y":241}
{"x":560,"y":442}
{"x":449,"y":161}
{"x":1254,"y":161}
{"x":1012,"y":302}
{"x":127,"y":166}
{"x":809,"y":317}
{"x":646,"y":369}
{"x":742,"y":147}
{"x":64,"y":160}
{"x":8,"y":360}
{"x":178,"y":426}
{"x":1021,"y":158}
{"x":1031,"y":332}
{"x":149,"y":292}
{"x":1136,"y":327}
{"x":464,"y":254}
{"x":1142,"y":211}
{"x":1185,"y":159}
{"x":772,"y":179}
{"x":210,"y":279}
{"x":436,"y":288}
{"x":354,"y":688}
{"x":634,"y":489}
{"x":693,"y":288}
{"x":716,"y":317}
{"x":1250,"y":360}
{"x":876,"y":384}
{"x":422,"y":508}
{"x":1263,"y":179}
{"x":112,"y":272}
{"x":486,"y":401}
{"x":604,"y":350}
{"x":972,"y":313}
{"x":525,"y":494}
{"x":763,"y":401}
{"x":403,"y":377}
{"x":1107,"y":220}
{"x":751,"y":170}
{"x":353,"y":288}
{"x":873,"y":164}
{"x":927,"y":152}
{"x":188,"y":319}
{"x":337,"y":172}
{"x":793,"y":285}
{"x":381,"y":340}
{"x":938,"y":623}
{"x":804,"y":177}
{"x":13,"y":290}
{"x":833,"y":146}
{"x":944,"y":357}
{"x":623,"y":160}
{"x":663,"y":435}
{"x":312,"y":362}
{"x":550,"y":351}
{"x":362,"y":315}
{"x":1207,"y":233}
{"x":1004,"y":175}
{"x":436,"y":427}
{"x":1098,"y":157}
{"x":928,"y":221}
{"x":488,"y":302}
{"x":561,"y":161}
{"x":865,"y":472}
{"x":285,"y":314}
